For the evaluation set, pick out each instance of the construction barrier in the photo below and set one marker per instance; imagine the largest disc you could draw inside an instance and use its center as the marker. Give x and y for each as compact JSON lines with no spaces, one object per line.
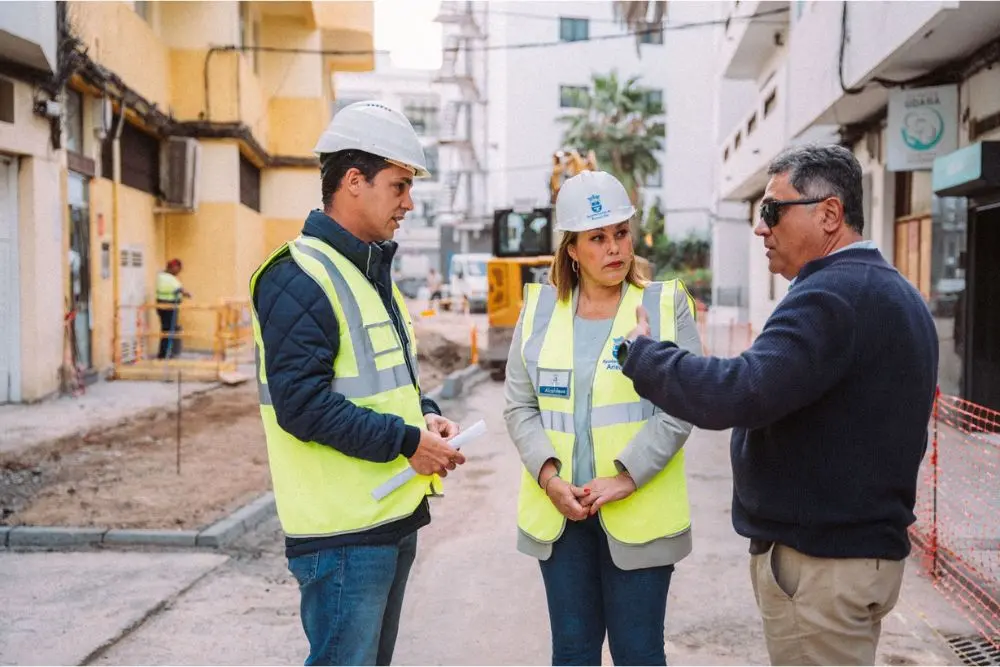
{"x":722,"y":337}
{"x":957,"y":531}
{"x":213,"y":341}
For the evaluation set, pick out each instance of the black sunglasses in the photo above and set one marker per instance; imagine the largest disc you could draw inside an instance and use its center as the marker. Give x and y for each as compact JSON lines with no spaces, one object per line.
{"x":770,"y":211}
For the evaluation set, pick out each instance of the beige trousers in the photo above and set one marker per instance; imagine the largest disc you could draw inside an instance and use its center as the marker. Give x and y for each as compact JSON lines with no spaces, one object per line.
{"x":823,"y":611}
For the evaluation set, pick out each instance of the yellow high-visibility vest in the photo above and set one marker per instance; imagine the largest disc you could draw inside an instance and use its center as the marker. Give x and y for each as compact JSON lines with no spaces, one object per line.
{"x":318,"y":490}
{"x":658,"y":509}
{"x":168,"y":287}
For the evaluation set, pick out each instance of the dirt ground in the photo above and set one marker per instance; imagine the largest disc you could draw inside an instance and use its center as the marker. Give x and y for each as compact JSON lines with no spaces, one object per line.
{"x":127,"y":477}
{"x":437,"y":357}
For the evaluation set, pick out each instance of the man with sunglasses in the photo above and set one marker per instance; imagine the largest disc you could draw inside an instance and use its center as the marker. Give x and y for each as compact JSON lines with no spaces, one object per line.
{"x":829,"y":410}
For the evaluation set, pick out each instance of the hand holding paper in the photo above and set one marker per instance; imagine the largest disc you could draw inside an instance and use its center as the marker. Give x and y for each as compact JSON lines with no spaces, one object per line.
{"x":435,"y":455}
{"x":476,"y":430}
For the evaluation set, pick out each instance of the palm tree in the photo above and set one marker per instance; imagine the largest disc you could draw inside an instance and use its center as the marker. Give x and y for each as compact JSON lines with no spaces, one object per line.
{"x":624,"y":127}
{"x":640,"y":15}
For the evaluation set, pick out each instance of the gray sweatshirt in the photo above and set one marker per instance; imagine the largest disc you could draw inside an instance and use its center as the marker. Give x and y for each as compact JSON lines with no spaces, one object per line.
{"x":648,"y":453}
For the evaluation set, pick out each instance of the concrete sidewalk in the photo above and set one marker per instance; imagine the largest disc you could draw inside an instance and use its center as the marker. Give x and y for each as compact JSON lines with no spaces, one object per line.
{"x":104,"y":405}
{"x":58,"y":608}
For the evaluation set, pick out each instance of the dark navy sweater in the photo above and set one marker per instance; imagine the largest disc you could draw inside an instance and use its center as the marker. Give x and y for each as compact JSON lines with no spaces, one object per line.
{"x":301,"y":340}
{"x":829,"y":408}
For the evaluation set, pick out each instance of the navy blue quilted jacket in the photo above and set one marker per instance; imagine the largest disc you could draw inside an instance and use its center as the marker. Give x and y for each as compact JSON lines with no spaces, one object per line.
{"x":301,"y":339}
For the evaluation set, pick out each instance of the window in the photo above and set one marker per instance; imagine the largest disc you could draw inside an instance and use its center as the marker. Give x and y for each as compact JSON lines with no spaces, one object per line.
{"x":737,"y":141}
{"x":573,"y":97}
{"x":751,"y":124}
{"x":654,"y":98}
{"x":423,"y":116}
{"x":651,"y":33}
{"x":725,"y":154}
{"x":249,"y":184}
{"x":6,"y":101}
{"x":140,"y":159}
{"x":769,"y":103}
{"x":432,"y":161}
{"x":427,"y":212}
{"x":904,"y":183}
{"x":948,"y":296}
{"x":655,"y":180}
{"x":74,"y":121}
{"x":574,"y":30}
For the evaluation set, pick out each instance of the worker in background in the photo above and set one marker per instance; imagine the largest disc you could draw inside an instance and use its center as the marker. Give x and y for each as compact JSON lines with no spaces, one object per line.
{"x":340,"y":393}
{"x":603,"y":502}
{"x":169,"y":292}
{"x":829,"y":409}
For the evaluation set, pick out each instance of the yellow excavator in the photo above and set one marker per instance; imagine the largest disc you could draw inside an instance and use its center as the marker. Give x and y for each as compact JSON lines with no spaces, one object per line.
{"x":524,"y":243}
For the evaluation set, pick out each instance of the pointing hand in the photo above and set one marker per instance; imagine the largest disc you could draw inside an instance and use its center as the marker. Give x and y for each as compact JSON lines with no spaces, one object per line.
{"x":642,"y":324}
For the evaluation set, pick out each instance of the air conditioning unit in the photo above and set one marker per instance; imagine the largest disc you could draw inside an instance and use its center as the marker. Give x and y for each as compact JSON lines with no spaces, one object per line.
{"x":180,"y":161}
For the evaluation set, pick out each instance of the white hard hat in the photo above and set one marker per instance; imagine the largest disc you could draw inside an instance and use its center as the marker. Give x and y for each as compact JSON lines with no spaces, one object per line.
{"x":592,"y":199}
{"x":374,"y":128}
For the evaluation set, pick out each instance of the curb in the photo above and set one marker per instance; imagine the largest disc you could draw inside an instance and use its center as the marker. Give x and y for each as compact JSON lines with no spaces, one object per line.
{"x":239,"y":522}
{"x":45,"y":536}
{"x":458,"y":382}
{"x":218,"y":535}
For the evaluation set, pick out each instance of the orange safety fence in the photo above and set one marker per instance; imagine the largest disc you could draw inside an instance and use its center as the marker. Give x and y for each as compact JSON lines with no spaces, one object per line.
{"x":722,"y":337}
{"x":212,"y":340}
{"x":957,"y":531}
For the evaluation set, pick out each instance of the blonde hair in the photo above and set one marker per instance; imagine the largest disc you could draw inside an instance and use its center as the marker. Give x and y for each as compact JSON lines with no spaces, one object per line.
{"x":565,"y":279}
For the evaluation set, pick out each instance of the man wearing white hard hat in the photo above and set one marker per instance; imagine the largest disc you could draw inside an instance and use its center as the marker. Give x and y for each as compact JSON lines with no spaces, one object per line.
{"x":340,"y":392}
{"x":602,"y":503}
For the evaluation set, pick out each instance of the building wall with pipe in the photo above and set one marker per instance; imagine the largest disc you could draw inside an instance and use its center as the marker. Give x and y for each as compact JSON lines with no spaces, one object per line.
{"x":160,"y":57}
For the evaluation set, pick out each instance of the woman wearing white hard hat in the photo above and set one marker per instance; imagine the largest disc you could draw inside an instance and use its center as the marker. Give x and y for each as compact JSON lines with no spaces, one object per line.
{"x":603,"y":501}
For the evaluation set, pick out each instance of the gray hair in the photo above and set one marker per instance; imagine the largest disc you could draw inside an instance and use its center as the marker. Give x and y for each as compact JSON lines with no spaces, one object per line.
{"x":821,"y":171}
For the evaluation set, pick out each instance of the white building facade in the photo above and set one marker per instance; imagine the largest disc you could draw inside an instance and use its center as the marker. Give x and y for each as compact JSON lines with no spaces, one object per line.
{"x":530,"y":88}
{"x":512,"y":69}
{"x":415,"y":94}
{"x":826,"y":71}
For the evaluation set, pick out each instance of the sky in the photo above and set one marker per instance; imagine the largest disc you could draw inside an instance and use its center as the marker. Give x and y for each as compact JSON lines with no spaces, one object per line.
{"x":406,"y":29}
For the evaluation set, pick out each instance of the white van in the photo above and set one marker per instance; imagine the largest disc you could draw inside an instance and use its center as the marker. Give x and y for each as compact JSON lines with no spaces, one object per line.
{"x":467,"y":278}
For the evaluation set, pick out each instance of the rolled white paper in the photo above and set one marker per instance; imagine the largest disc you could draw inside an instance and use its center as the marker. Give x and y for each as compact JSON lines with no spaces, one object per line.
{"x":476,"y":430}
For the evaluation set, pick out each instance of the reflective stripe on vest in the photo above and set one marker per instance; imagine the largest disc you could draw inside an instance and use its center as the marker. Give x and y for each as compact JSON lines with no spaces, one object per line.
{"x":660,"y":508}
{"x":318,"y":490}
{"x":168,"y":287}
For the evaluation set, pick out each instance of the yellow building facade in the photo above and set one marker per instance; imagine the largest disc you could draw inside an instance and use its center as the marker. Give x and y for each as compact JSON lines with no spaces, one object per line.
{"x":220,"y":103}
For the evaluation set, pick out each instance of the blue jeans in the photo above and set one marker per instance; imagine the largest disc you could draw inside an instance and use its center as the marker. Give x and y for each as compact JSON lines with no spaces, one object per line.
{"x":170,"y":346}
{"x":588,"y":596}
{"x":351,"y":600}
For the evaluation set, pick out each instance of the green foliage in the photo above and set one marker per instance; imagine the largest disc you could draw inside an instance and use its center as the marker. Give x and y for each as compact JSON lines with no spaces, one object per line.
{"x":624,"y":127}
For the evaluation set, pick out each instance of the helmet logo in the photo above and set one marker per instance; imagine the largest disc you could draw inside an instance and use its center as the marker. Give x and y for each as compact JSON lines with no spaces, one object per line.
{"x":597,"y":210}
